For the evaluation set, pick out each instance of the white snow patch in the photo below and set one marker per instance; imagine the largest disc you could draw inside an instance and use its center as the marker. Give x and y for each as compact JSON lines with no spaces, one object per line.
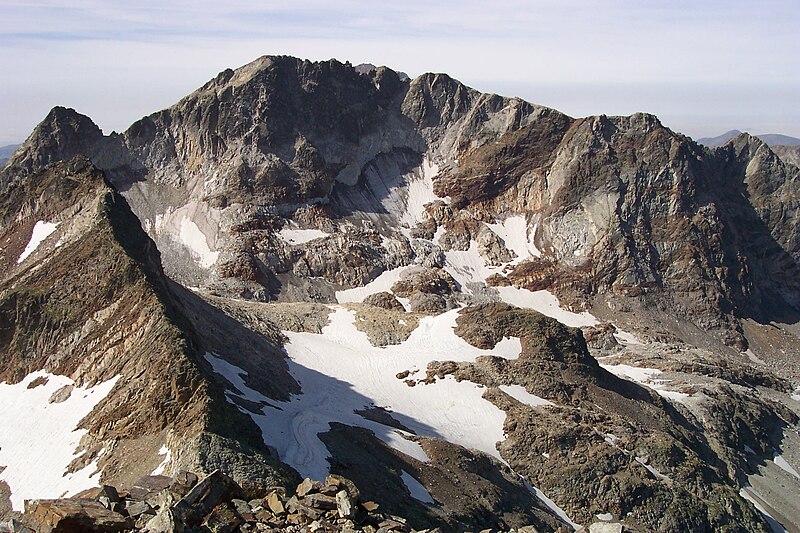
{"x":749,"y":450}
{"x":341,"y":372}
{"x":646,"y":376}
{"x":652,"y":469}
{"x":160,"y":468}
{"x":774,"y":524}
{"x":235,"y":377}
{"x":301,"y":236}
{"x":547,"y":304}
{"x":508,"y":348}
{"x":41,"y":230}
{"x":41,"y":437}
{"x":194,"y":239}
{"x":519,"y":393}
{"x":417,"y":490}
{"x":382,"y":283}
{"x":514,"y":232}
{"x":781,"y":462}
{"x":552,"y":506}
{"x":420,"y":193}
{"x":470,"y":267}
{"x":627,"y":338}
{"x":633,"y":373}
{"x":605,"y":517}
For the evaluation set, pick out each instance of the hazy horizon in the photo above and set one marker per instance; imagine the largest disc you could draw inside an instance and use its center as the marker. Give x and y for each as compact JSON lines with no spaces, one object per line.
{"x":703,"y":69}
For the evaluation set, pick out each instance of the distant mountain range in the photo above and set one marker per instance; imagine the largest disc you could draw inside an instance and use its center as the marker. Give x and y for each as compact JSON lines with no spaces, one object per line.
{"x":6,"y":151}
{"x":771,"y":139}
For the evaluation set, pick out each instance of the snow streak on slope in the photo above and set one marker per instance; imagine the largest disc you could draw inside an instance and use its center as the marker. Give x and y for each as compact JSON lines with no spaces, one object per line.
{"x":521,"y":394}
{"x":39,"y":434}
{"x":547,"y":304}
{"x":382,"y":283}
{"x":301,"y":236}
{"x":514,"y":232}
{"x":646,"y":377}
{"x":41,"y":230}
{"x":417,"y":490}
{"x":420,"y":192}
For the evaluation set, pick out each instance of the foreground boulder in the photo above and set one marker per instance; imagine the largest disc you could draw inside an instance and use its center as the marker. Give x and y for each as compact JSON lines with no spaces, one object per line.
{"x":73,"y":516}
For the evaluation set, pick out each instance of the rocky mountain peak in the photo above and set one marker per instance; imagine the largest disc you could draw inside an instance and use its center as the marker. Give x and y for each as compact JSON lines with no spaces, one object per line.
{"x":62,"y":134}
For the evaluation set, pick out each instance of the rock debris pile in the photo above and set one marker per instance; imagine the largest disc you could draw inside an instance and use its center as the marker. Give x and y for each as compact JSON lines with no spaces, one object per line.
{"x":185,"y":503}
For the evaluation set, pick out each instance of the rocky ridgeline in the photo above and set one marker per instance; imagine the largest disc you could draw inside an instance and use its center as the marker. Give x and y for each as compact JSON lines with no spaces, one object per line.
{"x":185,"y":503}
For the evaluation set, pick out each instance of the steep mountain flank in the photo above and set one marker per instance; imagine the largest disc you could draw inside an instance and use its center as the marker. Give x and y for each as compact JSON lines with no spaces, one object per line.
{"x":90,"y":302}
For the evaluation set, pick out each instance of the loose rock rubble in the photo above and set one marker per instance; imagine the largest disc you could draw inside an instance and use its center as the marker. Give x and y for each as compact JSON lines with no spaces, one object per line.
{"x":156,"y":504}
{"x":185,"y":503}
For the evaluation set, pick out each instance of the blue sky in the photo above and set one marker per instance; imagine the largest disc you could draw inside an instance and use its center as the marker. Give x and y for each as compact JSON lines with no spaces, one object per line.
{"x":703,"y":66}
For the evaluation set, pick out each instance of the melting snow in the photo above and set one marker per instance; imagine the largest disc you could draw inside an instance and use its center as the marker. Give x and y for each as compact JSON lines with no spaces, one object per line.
{"x":417,"y":490}
{"x":646,"y":377}
{"x":547,"y":304}
{"x":194,"y":239}
{"x":652,"y":470}
{"x":39,"y":436}
{"x":468,"y":266}
{"x":301,"y":236}
{"x":514,"y":232}
{"x":382,"y":283}
{"x":160,"y":468}
{"x":420,"y":193}
{"x":521,"y":394}
{"x":774,"y":524}
{"x":41,"y":230}
{"x":627,"y":338}
{"x":781,"y":462}
{"x":634,"y":373}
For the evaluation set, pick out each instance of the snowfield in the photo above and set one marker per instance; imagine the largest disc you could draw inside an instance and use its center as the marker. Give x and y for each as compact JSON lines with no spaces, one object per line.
{"x":514,"y":232}
{"x":301,"y":236}
{"x":195,"y":240}
{"x":40,"y":436}
{"x":646,"y":376}
{"x":41,"y":230}
{"x":341,"y":372}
